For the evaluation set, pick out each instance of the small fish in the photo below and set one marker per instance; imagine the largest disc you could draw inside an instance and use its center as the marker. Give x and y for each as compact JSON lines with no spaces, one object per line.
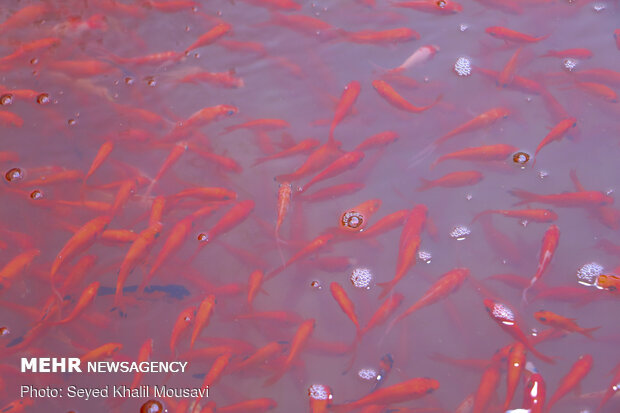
{"x":398,"y":35}
{"x":202,"y":317}
{"x":498,"y":152}
{"x":298,"y":343}
{"x":259,"y":125}
{"x":507,"y":74}
{"x":84,"y":301}
{"x":506,"y":34}
{"x":609,"y":282}
{"x":210,"y":37}
{"x":566,"y":199}
{"x":345,"y":162}
{"x":345,"y":303}
{"x":483,"y":120}
{"x":102,"y":352}
{"x":183,"y":322}
{"x":452,"y":180}
{"x":534,"y":394}
{"x":388,"y":93}
{"x":489,"y":382}
{"x":443,"y":7}
{"x":421,"y":55}
{"x":567,"y":324}
{"x":219,"y":79}
{"x":574,"y":53}
{"x":549,"y":245}
{"x":377,"y":141}
{"x":16,"y":266}
{"x":299,"y":148}
{"x":314,"y":245}
{"x":515,"y":364}
{"x":347,"y":100}
{"x":572,"y":380}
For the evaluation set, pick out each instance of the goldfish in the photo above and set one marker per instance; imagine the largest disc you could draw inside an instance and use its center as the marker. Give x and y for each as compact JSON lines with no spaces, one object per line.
{"x":314,"y":245}
{"x":306,"y":25}
{"x":451,"y":180}
{"x":506,"y":34}
{"x":505,"y":318}
{"x":606,"y":214}
{"x":16,"y":266}
{"x":84,"y":301}
{"x":383,"y":312}
{"x":235,"y":216}
{"x":259,"y":357}
{"x":223,"y":162}
{"x":23,"y":17}
{"x":217,"y":369}
{"x":82,"y":68}
{"x":484,"y":119}
{"x":421,"y":55}
{"x":562,"y":323}
{"x":489,"y":381}
{"x":397,"y":393}
{"x":284,"y":199}
{"x":515,"y":364}
{"x":507,"y":74}
{"x":408,"y":246}
{"x":401,"y":34}
{"x":535,"y":393}
{"x":220,"y":79}
{"x":598,"y":90}
{"x":395,"y":99}
{"x":600,"y":75}
{"x":300,"y":340}
{"x":183,"y":322}
{"x":378,"y":140}
{"x":80,"y":241}
{"x":447,"y":284}
{"x":430,"y":6}
{"x":209,"y":37}
{"x":150,"y":59}
{"x":387,"y":223}
{"x":549,"y":245}
{"x":299,"y":148}
{"x":347,"y":161}
{"x":254,"y":285}
{"x":144,"y":354}
{"x":202,"y":317}
{"x":102,"y":154}
{"x":501,"y":243}
{"x":573,"y":378}
{"x":102,"y":352}
{"x":36,"y":45}
{"x":334,"y":191}
{"x":608,"y":282}
{"x":565,"y":199}
{"x":517,"y":82}
{"x":345,"y":303}
{"x":574,"y":53}
{"x":259,"y":124}
{"x":347,"y":100}
{"x":137,"y":252}
{"x":534,"y":215}
{"x":61,"y":177}
{"x":612,"y":388}
{"x":319,"y":158}
{"x":498,"y":152}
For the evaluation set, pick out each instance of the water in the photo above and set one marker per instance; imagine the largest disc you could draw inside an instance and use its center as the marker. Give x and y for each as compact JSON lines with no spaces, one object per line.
{"x":110,"y":77}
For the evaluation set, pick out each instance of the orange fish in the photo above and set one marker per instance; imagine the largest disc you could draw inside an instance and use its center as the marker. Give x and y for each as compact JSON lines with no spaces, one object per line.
{"x":235,"y":216}
{"x":144,"y":354}
{"x":220,"y":79}
{"x":210,"y":36}
{"x":505,"y":318}
{"x":259,"y":357}
{"x":319,"y":158}
{"x":345,"y":303}
{"x":346,"y":102}
{"x":23,"y":17}
{"x":557,"y":133}
{"x":408,"y":246}
{"x":79,"y":242}
{"x":574,"y":53}
{"x":299,"y":342}
{"x":84,"y":301}
{"x":342,"y":164}
{"x":430,"y":6}
{"x":606,"y":214}
{"x":407,"y":390}
{"x":102,"y":352}
{"x":608,"y":282}
{"x":102,"y":155}
{"x":535,"y":215}
{"x":612,"y":388}
{"x":497,"y":152}
{"x":447,"y":284}
{"x":387,"y":223}
{"x":489,"y":381}
{"x":452,"y":180}
{"x":303,"y":146}
{"x":202,"y":317}
{"x":573,"y":378}
{"x":184,"y":321}
{"x":549,"y":244}
{"x":259,"y":125}
{"x":216,"y":371}
{"x":314,"y":245}
{"x":565,"y":199}
{"x":284,"y":200}
{"x":484,"y":119}
{"x":507,"y":74}
{"x":254,"y":286}
{"x":378,"y":140}
{"x":506,"y":34}
{"x":383,"y":313}
{"x":332,"y":192}
{"x":563,"y":323}
{"x":398,"y":35}
{"x":307,"y":25}
{"x":388,"y":93}
{"x":515,"y":364}
{"x":535,"y":394}
{"x":16,"y":266}
{"x":137,"y":253}
{"x":598,"y":90}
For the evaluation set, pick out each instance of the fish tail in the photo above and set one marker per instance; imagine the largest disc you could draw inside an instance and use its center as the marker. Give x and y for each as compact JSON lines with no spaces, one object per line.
{"x":542,"y":356}
{"x":423,"y":154}
{"x":526,"y":197}
{"x":387,"y":287}
{"x":426,"y":184}
{"x":353,"y":357}
{"x":524,"y":296}
{"x":482,"y":213}
{"x":588,"y":331}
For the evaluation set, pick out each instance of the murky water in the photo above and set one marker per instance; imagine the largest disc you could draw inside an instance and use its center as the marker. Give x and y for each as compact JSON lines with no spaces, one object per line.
{"x":110,"y":108}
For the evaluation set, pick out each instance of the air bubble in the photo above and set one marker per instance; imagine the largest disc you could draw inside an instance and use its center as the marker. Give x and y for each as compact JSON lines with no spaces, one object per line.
{"x":14,"y":175}
{"x":71,"y":122}
{"x":569,"y":64}
{"x":463,"y":27}
{"x":129,"y":81}
{"x":316,"y":284}
{"x":352,"y":220}
{"x":319,"y":392}
{"x":425,"y":256}
{"x":542,"y":174}
{"x":367,"y":374}
{"x":463,"y":66}
{"x":152,"y":406}
{"x":469,"y":197}
{"x":587,"y":274}
{"x":202,"y":237}
{"x":151,"y":81}
{"x":361,"y":278}
{"x":521,"y":158}
{"x":36,"y":195}
{"x":43,"y":99}
{"x":6,"y":99}
{"x":441,"y":3}
{"x":4,"y":331}
{"x":460,"y":232}
{"x":598,"y":7}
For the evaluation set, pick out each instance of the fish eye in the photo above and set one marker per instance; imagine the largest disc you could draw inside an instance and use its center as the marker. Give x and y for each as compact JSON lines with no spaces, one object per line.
{"x":543,"y":319}
{"x":230,"y":112}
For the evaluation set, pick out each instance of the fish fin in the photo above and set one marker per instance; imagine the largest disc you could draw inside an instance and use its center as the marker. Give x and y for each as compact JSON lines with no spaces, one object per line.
{"x":426,"y":184}
{"x":387,"y":287}
{"x":482,"y":213}
{"x":588,"y":331}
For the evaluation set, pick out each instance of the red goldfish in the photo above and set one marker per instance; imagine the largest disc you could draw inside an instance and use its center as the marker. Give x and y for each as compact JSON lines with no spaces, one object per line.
{"x":572,"y":379}
{"x":395,"y":99}
{"x":511,"y":35}
{"x":451,"y":180}
{"x":549,"y":244}
{"x":563,"y":323}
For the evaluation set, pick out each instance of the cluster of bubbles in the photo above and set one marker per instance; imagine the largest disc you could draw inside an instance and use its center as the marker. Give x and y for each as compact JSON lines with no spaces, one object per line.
{"x":569,"y":64}
{"x":503,"y":312}
{"x":6,"y":99}
{"x":316,"y":284}
{"x":367,"y":374}
{"x":588,"y":273}
{"x":462,"y":67}
{"x":425,"y":256}
{"x":319,"y":392}
{"x":460,"y":232}
{"x":361,"y":278}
